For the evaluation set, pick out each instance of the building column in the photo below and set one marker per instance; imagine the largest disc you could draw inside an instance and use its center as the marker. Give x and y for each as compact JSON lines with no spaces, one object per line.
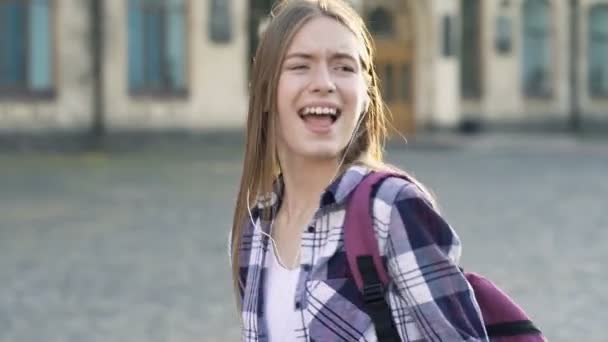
{"x":502,"y":95}
{"x":443,"y":90}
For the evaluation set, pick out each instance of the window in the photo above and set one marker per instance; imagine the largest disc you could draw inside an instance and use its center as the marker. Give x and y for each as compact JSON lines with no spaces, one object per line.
{"x":157,"y":46}
{"x":503,"y":34}
{"x":536,"y":64}
{"x":381,"y":23}
{"x":220,"y":21}
{"x":447,"y":46}
{"x":25,"y":47}
{"x":388,"y":90}
{"x":405,"y":79}
{"x":598,"y":51}
{"x":470,"y":66}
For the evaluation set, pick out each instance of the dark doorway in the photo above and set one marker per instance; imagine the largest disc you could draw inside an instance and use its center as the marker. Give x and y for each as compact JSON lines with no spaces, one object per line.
{"x":258,"y":11}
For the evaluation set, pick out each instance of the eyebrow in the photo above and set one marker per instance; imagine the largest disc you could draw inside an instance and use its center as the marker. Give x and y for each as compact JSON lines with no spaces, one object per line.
{"x":336,"y":55}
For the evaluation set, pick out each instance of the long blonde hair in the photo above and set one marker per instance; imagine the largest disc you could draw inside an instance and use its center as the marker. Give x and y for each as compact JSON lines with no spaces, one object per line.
{"x":260,"y":165}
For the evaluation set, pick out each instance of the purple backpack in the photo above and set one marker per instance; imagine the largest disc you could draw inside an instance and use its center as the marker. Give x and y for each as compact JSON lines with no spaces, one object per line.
{"x":505,"y":321}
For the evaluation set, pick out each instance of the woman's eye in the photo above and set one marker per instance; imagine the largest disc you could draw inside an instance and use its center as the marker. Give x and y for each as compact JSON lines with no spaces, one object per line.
{"x":298,"y":67}
{"x":346,"y":68}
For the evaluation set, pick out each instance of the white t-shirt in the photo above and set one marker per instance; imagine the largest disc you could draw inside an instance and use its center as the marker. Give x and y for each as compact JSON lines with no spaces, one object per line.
{"x":279,"y":294}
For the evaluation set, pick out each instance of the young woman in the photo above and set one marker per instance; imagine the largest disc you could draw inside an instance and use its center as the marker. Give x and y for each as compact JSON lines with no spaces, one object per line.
{"x":315,"y":129}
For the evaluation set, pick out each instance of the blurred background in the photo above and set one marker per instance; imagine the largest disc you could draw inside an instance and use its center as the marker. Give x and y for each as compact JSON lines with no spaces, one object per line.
{"x":121,"y":142}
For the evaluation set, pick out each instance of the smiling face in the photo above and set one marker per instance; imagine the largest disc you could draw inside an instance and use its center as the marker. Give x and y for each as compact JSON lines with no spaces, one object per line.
{"x":321,"y":91}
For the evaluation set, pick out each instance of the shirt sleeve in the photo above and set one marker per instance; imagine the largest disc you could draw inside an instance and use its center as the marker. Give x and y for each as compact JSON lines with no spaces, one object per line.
{"x":422,"y":257}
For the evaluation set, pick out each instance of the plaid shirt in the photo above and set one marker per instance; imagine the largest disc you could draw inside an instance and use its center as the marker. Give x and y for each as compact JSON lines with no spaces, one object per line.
{"x":429,"y":297}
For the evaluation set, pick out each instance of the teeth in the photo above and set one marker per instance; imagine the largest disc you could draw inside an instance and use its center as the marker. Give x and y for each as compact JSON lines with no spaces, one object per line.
{"x":319,"y":110}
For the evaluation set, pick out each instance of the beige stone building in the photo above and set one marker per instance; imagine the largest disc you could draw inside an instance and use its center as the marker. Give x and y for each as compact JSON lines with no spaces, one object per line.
{"x":166,"y":65}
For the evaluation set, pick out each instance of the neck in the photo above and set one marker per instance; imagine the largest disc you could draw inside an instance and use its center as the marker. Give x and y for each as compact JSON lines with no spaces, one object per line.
{"x":305,"y":180}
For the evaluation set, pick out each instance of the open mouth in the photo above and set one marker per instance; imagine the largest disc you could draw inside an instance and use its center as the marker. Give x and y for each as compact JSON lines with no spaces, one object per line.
{"x":320,"y":115}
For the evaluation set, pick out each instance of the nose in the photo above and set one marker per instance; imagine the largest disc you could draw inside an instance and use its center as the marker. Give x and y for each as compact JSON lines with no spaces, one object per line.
{"x":322,"y":81}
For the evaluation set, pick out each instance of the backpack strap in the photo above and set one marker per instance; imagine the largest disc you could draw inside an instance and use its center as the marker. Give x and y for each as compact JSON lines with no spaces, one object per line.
{"x":514,"y":328}
{"x":366,"y":265}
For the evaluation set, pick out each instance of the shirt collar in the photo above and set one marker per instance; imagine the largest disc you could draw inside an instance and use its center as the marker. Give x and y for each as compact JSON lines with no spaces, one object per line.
{"x":340,"y":189}
{"x":336,"y":193}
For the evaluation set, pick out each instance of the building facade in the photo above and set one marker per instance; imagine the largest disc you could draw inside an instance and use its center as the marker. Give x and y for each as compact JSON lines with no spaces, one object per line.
{"x":164,"y":65}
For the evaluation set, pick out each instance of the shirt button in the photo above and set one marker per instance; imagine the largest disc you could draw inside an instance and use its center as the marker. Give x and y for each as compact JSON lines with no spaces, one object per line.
{"x":311,"y":229}
{"x":298,"y":305}
{"x":306,"y":268}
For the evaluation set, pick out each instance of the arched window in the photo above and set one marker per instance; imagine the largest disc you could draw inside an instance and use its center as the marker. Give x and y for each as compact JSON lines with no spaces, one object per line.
{"x":381,"y":23}
{"x":598,"y":51}
{"x":536,"y":64}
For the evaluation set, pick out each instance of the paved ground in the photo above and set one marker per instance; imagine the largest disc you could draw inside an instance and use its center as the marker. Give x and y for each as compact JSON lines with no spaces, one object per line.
{"x":130,"y":246}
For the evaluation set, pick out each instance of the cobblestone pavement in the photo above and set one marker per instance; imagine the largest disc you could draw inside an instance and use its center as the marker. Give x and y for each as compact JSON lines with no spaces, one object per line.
{"x":131,"y":246}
